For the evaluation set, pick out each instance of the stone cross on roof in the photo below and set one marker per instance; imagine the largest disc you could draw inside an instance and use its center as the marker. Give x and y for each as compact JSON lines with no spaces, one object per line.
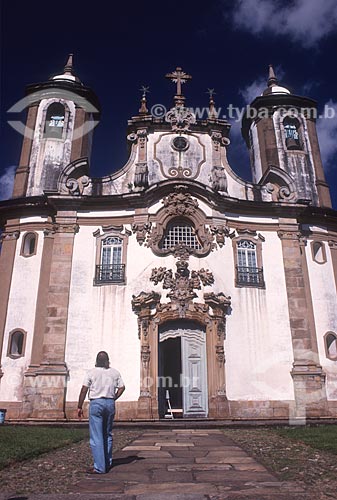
{"x":179,"y":76}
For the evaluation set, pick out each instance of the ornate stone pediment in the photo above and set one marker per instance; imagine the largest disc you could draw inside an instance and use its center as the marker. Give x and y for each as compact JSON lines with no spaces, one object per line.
{"x":180,"y":202}
{"x":180,"y":118}
{"x":74,"y":179}
{"x":179,"y":207}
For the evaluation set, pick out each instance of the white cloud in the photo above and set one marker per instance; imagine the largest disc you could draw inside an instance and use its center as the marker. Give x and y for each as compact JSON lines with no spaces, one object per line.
{"x":256,"y":88}
{"x":327,"y":133}
{"x":304,"y":21}
{"x":6,"y":183}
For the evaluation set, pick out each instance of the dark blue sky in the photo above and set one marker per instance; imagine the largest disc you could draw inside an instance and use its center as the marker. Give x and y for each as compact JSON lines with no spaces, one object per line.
{"x":119,"y":46}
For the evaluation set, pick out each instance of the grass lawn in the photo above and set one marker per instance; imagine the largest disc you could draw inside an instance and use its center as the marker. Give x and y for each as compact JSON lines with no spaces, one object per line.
{"x":19,"y":443}
{"x":321,"y":437}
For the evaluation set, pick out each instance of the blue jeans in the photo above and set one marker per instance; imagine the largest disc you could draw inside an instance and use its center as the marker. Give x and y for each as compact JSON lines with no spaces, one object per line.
{"x":101,"y":416}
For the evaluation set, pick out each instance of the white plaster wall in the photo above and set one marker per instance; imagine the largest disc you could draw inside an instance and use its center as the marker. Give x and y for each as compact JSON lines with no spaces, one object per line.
{"x":20,"y":315}
{"x":256,"y":157}
{"x":324,"y":298}
{"x":258,"y":345}
{"x":101,"y":317}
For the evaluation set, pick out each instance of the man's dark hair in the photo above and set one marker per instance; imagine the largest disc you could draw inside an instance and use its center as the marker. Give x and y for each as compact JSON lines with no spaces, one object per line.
{"x":102,"y":359}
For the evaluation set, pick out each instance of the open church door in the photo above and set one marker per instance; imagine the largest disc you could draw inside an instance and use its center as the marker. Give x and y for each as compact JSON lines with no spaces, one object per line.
{"x":182,"y":368}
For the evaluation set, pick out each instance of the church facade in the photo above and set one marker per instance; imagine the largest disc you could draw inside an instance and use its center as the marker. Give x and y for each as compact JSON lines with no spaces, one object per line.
{"x":216,"y":293}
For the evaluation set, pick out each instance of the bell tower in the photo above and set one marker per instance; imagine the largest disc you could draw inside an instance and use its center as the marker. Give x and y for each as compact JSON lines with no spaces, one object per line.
{"x":280,"y":131}
{"x":61,"y":116}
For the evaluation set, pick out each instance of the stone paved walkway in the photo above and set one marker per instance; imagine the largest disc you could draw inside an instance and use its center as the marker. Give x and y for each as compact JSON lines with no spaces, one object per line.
{"x":187,"y":465}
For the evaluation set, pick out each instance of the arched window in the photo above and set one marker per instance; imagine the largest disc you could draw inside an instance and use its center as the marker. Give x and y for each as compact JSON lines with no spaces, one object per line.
{"x":180,"y":232}
{"x":111,"y":268}
{"x":248,"y":272}
{"x":16,"y":344}
{"x":54,"y":123}
{"x":331,"y":345}
{"x":291,"y":131}
{"x":29,"y":244}
{"x":318,"y":252}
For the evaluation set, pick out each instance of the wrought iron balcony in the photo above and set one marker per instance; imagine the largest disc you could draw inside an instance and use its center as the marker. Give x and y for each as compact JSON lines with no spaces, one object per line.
{"x":249,"y":276}
{"x":114,"y":273}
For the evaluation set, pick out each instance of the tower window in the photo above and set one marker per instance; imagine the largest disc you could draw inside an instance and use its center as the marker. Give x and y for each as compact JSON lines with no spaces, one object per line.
{"x":247,"y":271}
{"x":291,"y":132}
{"x":180,"y":233}
{"x":16,"y":344}
{"x":318,"y":252}
{"x":111,"y":269}
{"x":54,"y":124}
{"x":29,"y":245}
{"x":331,"y":345}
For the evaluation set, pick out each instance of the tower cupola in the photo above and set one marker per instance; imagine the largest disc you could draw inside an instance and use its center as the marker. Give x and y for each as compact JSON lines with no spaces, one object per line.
{"x":279,"y":129}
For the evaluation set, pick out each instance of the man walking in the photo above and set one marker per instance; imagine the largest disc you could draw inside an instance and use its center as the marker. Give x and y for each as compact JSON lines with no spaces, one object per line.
{"x":105,"y":385}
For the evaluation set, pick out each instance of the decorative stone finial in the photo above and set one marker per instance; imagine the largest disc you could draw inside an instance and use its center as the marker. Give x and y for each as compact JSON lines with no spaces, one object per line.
{"x":69,"y":67}
{"x":272,"y":80}
{"x":212,"y":115}
{"x":143,"y":109}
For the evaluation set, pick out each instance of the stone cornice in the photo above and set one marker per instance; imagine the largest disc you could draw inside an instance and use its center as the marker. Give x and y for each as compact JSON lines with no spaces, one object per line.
{"x":51,"y":202}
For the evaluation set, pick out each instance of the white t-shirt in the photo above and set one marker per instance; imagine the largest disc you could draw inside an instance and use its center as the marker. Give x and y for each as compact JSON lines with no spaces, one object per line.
{"x":103,"y":382}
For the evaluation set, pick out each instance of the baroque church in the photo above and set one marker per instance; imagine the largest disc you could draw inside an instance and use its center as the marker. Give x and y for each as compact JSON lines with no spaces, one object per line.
{"x":211,"y":293}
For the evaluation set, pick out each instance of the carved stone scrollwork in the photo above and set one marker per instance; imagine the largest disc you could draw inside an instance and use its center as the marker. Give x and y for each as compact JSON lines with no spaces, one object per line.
{"x":180,"y":118}
{"x":284,"y":193}
{"x":182,"y":284}
{"x":220,"y":303}
{"x":143,"y":327}
{"x":132,"y":137}
{"x":76,"y":186}
{"x":220,"y":354}
{"x":141,"y":231}
{"x":145,"y":355}
{"x":49,"y":232}
{"x":10,"y":235}
{"x":221,"y":232}
{"x":144,"y":299}
{"x":332,"y":244}
{"x":180,"y":202}
{"x":74,"y":178}
{"x":221,"y":329}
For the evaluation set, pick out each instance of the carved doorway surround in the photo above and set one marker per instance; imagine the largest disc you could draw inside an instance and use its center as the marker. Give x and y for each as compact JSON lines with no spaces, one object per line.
{"x":211,"y":314}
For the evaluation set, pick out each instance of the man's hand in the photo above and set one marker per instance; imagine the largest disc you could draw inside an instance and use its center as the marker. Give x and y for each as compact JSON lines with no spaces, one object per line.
{"x":81,"y":399}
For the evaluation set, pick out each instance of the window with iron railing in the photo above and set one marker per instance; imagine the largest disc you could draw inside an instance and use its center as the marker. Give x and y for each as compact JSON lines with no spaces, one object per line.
{"x":247,"y":272}
{"x":111,"y":269}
